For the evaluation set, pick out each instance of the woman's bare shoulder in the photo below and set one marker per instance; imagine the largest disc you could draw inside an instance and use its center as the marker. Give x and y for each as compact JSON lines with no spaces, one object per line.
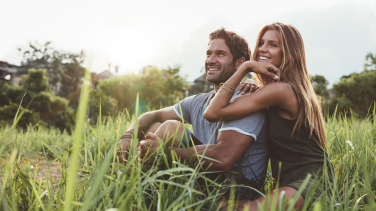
{"x":279,"y":87}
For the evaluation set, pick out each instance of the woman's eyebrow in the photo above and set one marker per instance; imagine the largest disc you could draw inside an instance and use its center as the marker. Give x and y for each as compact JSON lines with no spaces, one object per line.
{"x":276,"y":41}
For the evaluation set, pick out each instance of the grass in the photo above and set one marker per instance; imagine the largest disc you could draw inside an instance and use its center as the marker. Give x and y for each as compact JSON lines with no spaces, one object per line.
{"x":92,"y":178}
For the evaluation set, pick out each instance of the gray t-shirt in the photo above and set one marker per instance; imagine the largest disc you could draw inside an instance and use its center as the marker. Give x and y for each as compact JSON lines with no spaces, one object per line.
{"x":255,"y":159}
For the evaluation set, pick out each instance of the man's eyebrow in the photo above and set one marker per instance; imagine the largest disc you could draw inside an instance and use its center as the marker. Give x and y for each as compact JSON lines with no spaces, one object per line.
{"x":217,"y":51}
{"x":221,"y":51}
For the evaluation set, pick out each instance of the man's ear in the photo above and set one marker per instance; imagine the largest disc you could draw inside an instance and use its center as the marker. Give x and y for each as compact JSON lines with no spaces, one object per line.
{"x":239,"y":62}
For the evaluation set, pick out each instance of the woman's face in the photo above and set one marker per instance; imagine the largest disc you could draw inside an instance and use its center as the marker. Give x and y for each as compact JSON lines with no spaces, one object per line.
{"x":270,"y":49}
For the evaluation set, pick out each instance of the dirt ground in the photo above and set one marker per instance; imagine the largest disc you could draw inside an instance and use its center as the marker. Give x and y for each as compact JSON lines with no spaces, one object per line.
{"x":43,"y":169}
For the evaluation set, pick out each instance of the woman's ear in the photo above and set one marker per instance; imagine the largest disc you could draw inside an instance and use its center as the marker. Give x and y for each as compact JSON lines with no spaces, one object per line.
{"x":239,"y":62}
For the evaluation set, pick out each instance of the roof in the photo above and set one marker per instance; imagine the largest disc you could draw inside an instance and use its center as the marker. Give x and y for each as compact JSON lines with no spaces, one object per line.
{"x":105,"y":74}
{"x":200,"y":79}
{"x":10,"y":68}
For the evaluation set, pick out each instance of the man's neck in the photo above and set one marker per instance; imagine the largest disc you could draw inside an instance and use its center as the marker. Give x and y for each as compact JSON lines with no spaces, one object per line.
{"x":216,"y":87}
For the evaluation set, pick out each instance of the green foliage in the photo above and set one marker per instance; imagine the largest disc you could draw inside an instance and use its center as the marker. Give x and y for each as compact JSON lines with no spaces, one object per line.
{"x":64,"y":69}
{"x":371,"y":61}
{"x":320,"y":84}
{"x":104,"y":184}
{"x":157,"y":89}
{"x":39,"y":106}
{"x":355,"y":93}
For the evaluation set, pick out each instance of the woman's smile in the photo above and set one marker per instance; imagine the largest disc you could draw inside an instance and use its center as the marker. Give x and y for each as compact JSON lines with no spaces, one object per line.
{"x":269,"y":48}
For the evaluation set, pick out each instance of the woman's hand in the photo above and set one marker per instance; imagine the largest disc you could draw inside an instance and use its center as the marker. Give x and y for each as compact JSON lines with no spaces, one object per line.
{"x":263,"y":68}
{"x":249,"y":85}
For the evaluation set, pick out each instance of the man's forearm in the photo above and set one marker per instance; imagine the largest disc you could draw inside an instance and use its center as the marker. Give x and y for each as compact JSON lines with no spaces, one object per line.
{"x":210,"y":150}
{"x":144,"y":122}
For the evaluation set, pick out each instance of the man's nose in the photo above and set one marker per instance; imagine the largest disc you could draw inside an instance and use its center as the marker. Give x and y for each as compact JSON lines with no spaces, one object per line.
{"x":211,"y":59}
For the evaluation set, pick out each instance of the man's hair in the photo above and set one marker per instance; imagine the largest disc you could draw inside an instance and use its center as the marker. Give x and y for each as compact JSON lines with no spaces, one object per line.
{"x":237,"y":44}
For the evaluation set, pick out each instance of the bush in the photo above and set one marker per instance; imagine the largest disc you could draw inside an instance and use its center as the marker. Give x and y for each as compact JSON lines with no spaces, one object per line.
{"x":38,"y":106}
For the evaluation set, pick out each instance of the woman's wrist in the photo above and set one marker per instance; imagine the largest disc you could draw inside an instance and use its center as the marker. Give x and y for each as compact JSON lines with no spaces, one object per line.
{"x":249,"y":68}
{"x":245,"y":68}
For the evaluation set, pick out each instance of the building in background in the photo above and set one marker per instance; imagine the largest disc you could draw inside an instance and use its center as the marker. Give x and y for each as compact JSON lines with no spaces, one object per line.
{"x":8,"y":72}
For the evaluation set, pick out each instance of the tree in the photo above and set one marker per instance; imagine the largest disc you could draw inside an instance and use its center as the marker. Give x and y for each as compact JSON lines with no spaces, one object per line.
{"x":39,"y":106}
{"x":320,"y":84}
{"x":358,"y":91}
{"x":64,"y":70}
{"x":157,"y":88}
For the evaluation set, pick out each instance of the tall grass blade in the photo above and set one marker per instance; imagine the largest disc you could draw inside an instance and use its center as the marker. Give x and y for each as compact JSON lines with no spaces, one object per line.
{"x":78,"y":134}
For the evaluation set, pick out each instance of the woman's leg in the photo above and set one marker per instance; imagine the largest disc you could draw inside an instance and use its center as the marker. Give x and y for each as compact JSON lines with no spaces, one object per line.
{"x":254,"y":204}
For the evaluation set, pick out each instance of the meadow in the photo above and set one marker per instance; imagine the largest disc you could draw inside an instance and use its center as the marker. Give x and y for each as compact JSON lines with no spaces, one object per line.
{"x":90,"y":177}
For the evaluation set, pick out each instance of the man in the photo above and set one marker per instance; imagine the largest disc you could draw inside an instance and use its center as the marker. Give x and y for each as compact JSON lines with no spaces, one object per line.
{"x":240,"y":146}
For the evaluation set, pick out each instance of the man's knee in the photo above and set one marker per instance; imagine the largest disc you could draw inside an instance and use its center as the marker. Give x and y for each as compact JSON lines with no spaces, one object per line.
{"x":154,"y":127}
{"x":171,"y":124}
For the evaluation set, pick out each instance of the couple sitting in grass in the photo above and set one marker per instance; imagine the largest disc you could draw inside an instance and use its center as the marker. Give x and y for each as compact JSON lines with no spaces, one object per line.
{"x":281,"y":120}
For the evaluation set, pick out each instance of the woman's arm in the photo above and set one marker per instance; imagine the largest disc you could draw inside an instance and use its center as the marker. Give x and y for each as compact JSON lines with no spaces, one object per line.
{"x":219,"y":109}
{"x":273,"y":94}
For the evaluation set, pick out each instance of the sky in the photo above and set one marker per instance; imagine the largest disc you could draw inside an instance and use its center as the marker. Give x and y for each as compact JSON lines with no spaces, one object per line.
{"x":132,"y":34}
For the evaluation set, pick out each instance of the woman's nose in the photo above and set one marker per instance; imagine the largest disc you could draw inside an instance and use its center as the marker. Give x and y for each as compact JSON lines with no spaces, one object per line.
{"x":262,"y":48}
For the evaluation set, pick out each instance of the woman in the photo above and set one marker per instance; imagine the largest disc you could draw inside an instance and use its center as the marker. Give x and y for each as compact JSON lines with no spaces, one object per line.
{"x":297,"y":132}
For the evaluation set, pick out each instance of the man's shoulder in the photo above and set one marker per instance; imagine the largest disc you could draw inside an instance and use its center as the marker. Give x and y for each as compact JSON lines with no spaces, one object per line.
{"x":201,"y":97}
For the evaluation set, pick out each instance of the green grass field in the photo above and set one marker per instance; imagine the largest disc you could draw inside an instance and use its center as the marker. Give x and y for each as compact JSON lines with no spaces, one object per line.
{"x":91,"y":178}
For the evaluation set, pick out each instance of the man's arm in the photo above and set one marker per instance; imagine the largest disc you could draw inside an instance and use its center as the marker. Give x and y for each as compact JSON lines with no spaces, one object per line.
{"x":144,"y":123}
{"x":148,"y":118}
{"x":230,"y":146}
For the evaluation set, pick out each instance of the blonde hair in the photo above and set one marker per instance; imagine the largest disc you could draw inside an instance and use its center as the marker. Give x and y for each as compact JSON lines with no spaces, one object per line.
{"x":294,"y":70}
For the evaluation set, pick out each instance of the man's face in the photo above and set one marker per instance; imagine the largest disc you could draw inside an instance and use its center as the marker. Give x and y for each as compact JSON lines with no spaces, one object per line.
{"x":219,"y":65}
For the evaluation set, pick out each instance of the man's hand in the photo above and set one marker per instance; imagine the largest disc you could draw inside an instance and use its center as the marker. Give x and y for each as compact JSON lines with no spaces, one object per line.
{"x":249,"y":85}
{"x":122,"y":153}
{"x":149,"y":146}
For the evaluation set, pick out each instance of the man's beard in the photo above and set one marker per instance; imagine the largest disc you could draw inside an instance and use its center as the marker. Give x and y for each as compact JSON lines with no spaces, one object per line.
{"x":226,"y":72}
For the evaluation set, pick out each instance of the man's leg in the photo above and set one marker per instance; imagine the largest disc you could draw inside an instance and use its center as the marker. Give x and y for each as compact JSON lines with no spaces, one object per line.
{"x":154,"y":127}
{"x":171,"y":131}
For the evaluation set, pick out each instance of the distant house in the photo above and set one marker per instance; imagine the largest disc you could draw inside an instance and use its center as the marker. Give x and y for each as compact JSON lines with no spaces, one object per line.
{"x":200,"y":79}
{"x":104,"y":75}
{"x":8,"y":72}
{"x":95,"y":78}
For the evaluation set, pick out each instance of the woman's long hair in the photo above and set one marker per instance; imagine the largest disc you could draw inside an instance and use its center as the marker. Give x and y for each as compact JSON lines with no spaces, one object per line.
{"x":294,"y":70}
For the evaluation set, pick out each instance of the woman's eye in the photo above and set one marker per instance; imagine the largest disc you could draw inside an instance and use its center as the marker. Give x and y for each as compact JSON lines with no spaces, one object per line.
{"x":273,"y":45}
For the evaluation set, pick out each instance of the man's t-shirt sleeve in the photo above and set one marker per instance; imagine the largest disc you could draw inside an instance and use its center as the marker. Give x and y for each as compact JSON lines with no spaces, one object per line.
{"x":250,"y":125}
{"x":185,"y":106}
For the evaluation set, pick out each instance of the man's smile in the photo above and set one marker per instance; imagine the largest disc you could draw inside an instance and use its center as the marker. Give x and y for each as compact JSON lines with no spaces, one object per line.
{"x":212,"y":70}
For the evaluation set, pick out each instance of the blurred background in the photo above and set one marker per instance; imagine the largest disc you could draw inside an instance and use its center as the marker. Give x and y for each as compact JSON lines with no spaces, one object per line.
{"x":157,"y":49}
